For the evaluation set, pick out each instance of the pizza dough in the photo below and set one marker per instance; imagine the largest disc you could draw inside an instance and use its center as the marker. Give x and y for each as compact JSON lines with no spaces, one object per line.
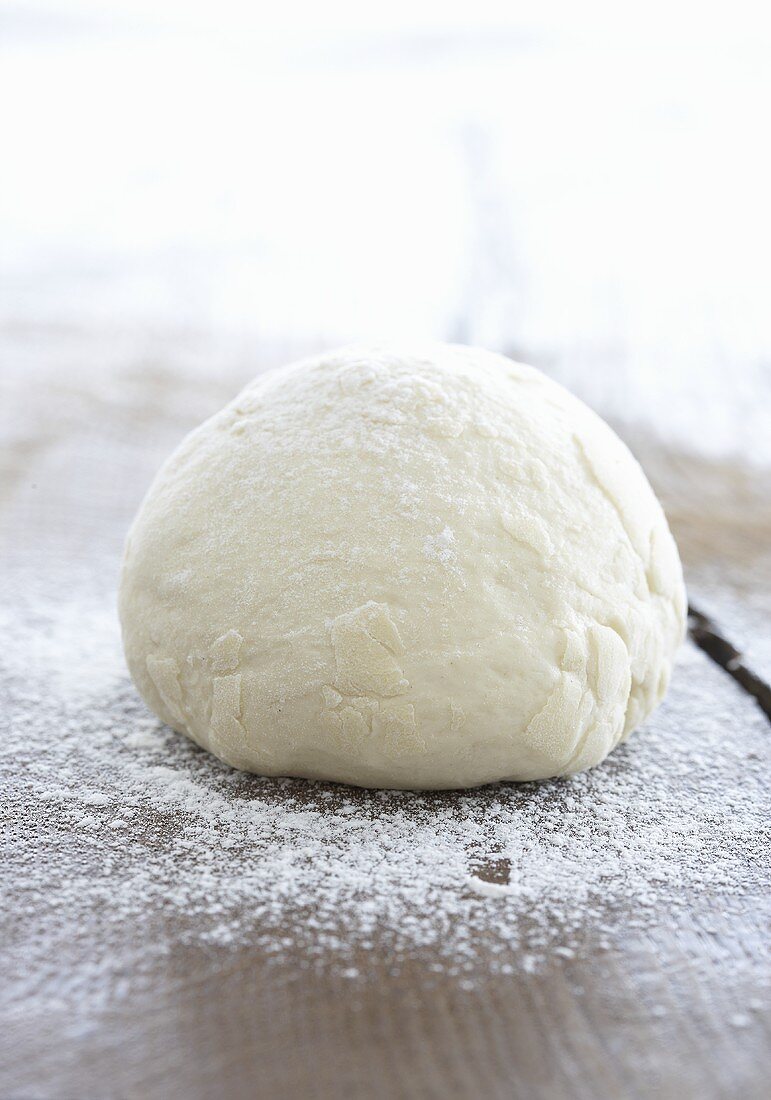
{"x":421,"y":567}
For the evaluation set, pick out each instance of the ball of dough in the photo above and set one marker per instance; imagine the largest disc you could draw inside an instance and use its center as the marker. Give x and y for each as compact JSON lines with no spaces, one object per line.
{"x":429,"y":567}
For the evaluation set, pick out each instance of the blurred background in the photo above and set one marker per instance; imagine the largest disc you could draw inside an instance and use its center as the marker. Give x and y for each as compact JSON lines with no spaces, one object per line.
{"x":191,"y":192}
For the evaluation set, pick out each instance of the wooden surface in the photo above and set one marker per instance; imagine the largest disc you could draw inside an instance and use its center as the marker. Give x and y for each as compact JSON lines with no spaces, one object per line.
{"x":579,"y":1029}
{"x":677,"y":1004}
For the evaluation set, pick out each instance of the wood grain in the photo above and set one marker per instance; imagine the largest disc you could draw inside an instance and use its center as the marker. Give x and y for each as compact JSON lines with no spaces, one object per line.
{"x":645,"y":1021}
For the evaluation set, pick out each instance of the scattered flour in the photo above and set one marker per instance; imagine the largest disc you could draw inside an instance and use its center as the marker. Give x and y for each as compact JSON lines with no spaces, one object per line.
{"x":120,"y":836}
{"x":440,"y":547}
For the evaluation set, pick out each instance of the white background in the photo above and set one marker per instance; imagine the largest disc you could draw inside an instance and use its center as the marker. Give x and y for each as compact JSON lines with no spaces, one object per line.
{"x":586,"y":186}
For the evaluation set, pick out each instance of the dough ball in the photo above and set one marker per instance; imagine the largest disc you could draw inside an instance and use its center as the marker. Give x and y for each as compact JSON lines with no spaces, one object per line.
{"x":403,"y":568}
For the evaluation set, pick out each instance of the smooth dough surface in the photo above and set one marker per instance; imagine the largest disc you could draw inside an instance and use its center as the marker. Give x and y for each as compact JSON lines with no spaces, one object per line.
{"x":426,"y":567}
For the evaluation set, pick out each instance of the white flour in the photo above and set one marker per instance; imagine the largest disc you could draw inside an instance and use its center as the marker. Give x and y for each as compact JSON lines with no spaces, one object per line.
{"x":124,"y":840}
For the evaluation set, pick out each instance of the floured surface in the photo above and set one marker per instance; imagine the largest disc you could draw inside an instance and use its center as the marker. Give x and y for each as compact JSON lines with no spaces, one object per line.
{"x":124,"y":845}
{"x":173,"y":928}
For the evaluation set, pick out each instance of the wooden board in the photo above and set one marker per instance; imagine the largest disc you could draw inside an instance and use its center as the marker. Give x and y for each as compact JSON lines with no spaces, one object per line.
{"x":672,"y":1003}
